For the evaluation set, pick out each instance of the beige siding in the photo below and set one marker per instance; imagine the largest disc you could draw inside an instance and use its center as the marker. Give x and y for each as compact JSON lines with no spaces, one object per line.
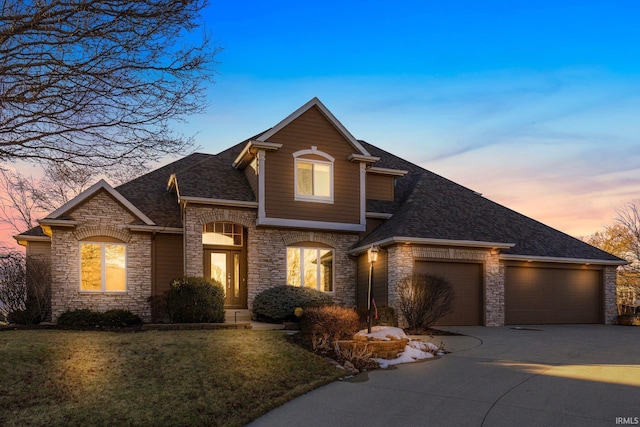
{"x":168,"y":261}
{"x":372,"y":224}
{"x":39,"y":249}
{"x":312,"y":129}
{"x":379,"y":187}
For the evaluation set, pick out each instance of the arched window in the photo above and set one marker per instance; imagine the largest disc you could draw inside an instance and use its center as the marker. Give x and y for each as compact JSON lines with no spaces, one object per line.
{"x":313,"y":179}
{"x":222,"y":234}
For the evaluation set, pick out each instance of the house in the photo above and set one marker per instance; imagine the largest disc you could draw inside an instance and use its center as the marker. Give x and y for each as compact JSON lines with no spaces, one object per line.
{"x":300,"y":204}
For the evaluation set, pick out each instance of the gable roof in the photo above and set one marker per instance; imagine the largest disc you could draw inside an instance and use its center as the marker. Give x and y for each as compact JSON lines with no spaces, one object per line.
{"x":315,"y":102}
{"x":427,"y":208}
{"x":98,"y":186}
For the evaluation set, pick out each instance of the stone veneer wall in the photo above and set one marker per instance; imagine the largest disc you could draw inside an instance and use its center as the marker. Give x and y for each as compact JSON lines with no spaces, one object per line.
{"x":266,"y":251}
{"x":610,"y":295}
{"x":401,"y":262}
{"x":101,"y":216}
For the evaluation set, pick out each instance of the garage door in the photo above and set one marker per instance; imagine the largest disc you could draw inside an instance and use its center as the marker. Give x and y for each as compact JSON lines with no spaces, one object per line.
{"x":552,"y":295}
{"x":466,"y":280}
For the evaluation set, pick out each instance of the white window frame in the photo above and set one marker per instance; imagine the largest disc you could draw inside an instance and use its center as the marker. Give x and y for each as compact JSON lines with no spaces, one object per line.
{"x":103,"y":267}
{"x":319,"y":266}
{"x":298,"y":157}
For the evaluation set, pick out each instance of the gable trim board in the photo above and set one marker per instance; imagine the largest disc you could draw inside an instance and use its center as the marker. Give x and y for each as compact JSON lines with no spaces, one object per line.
{"x":320,"y":225}
{"x":325,"y":111}
{"x":417,"y":218}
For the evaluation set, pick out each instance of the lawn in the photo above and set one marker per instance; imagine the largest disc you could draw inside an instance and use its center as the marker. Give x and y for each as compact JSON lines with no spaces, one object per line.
{"x":218,"y":377}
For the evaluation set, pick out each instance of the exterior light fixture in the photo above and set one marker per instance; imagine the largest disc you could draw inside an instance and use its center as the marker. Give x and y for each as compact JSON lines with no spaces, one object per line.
{"x":372,"y":255}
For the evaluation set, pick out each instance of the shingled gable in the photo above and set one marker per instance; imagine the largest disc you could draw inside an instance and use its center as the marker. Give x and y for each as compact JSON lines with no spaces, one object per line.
{"x":430,"y":209}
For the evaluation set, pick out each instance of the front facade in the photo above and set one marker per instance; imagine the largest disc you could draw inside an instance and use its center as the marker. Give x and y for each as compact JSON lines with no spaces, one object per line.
{"x":300,"y":204}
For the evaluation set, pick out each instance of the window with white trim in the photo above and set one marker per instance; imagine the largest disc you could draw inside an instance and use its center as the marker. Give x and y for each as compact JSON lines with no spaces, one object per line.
{"x":313,"y":178}
{"x":103,"y":267}
{"x":310,"y":268}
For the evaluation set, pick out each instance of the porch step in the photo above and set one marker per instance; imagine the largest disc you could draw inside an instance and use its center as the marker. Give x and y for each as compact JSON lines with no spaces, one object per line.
{"x":237,"y":315}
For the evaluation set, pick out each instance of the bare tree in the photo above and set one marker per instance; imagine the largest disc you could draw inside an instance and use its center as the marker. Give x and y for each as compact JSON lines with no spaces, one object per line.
{"x":424,"y":299}
{"x":99,"y":83}
{"x":20,"y":200}
{"x":25,"y":288}
{"x":628,"y":218}
{"x":623,"y":240}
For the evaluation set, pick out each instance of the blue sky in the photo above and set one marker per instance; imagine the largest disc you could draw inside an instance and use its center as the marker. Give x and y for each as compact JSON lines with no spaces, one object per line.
{"x":536,"y":105}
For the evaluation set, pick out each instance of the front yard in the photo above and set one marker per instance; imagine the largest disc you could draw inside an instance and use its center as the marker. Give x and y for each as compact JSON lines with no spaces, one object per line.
{"x":221,"y":377}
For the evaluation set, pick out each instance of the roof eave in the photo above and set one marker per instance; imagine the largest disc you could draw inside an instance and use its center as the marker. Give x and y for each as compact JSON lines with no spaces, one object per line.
{"x":535,"y":258}
{"x":249,"y":151}
{"x":395,"y":240}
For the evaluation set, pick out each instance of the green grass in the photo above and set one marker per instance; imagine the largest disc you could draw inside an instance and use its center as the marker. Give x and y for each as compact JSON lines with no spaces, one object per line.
{"x":219,"y":377}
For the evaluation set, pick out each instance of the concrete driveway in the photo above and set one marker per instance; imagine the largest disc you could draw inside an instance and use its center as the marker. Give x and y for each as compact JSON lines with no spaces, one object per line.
{"x":567,"y":375}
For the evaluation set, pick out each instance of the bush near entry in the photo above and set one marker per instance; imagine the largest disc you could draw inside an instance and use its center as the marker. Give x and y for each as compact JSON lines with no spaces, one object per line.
{"x":195,"y":300}
{"x":277,"y":304}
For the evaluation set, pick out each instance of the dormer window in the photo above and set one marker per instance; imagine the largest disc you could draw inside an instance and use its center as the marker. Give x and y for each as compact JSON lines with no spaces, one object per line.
{"x":313,"y":178}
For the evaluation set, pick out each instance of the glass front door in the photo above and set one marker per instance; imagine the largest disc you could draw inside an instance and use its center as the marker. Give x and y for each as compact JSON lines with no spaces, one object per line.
{"x":227,"y":268}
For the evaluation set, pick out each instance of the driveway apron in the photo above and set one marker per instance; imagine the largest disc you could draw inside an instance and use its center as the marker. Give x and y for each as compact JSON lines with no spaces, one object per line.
{"x":560,"y":375}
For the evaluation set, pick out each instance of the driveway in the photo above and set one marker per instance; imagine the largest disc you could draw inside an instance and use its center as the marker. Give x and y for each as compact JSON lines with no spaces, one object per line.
{"x":565,"y":375}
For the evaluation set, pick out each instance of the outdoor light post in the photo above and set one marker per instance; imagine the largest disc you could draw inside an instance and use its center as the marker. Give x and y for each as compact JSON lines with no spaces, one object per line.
{"x":372,"y":255}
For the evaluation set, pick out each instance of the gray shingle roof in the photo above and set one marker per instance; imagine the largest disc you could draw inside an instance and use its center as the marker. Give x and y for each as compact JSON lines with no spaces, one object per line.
{"x":426,"y":205}
{"x":430,"y":206}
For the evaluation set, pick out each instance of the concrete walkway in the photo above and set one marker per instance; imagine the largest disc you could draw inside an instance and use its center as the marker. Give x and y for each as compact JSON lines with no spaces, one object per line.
{"x":576,"y":375}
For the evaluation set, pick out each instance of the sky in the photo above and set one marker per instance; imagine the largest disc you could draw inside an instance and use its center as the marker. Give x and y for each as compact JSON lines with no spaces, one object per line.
{"x":536,"y":104}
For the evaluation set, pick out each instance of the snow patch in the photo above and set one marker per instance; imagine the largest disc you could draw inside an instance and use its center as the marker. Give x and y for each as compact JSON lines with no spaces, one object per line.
{"x":414,"y":350}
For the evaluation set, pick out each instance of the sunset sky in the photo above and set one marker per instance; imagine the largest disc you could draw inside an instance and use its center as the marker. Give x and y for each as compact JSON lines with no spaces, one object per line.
{"x":536,"y":106}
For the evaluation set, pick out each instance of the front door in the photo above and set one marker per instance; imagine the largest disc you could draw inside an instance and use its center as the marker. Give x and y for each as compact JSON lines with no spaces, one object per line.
{"x":228,"y":268}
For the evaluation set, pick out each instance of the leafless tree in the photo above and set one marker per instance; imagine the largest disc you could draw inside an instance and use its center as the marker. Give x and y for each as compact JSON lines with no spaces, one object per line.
{"x":100,"y":83}
{"x":20,"y":200}
{"x":628,"y":218}
{"x":424,"y":299}
{"x":623,"y":240}
{"x":25,"y":288}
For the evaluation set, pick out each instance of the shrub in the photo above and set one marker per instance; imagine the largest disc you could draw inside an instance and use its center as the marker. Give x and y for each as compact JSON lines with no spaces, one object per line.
{"x":158,"y":305}
{"x":86,"y":318}
{"x":25,"y":288}
{"x":321,"y":326}
{"x":119,"y":317}
{"x":195,"y":300}
{"x":424,"y":299}
{"x":386,"y":316}
{"x":277,"y":304}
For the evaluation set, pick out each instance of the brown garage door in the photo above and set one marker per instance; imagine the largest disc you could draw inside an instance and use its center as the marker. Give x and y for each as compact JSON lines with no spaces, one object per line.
{"x":552,"y":295}
{"x":466,"y":280}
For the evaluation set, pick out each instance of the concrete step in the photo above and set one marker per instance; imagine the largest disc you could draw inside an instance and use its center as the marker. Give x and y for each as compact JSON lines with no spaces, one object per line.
{"x":232,"y":315}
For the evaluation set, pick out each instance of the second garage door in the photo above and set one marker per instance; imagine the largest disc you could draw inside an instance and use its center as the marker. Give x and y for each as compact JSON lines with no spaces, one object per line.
{"x":466,"y":280}
{"x":542,"y":295}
